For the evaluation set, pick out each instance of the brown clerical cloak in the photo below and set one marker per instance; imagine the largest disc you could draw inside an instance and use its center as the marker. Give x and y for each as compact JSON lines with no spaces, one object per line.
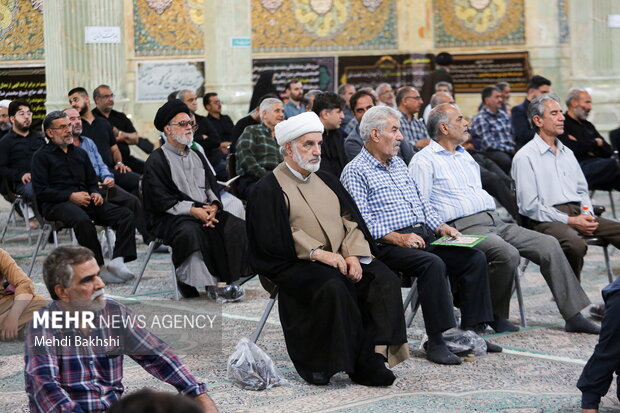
{"x":329,"y":322}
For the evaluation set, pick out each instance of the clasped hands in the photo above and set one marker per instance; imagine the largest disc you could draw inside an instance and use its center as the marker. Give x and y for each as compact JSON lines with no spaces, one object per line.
{"x":205,"y":214}
{"x":415,"y":241}
{"x":83,"y":199}
{"x":350,"y":267}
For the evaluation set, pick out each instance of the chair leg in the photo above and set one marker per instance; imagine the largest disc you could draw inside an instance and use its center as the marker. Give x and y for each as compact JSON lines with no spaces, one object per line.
{"x":610,"y":275}
{"x":55,"y":239}
{"x":611,"y":201}
{"x":108,"y":240}
{"x":174,"y":276}
{"x":413,"y":301}
{"x":149,"y":252}
{"x":520,"y":271}
{"x":42,"y":235}
{"x":263,"y":319}
{"x":8,"y":221}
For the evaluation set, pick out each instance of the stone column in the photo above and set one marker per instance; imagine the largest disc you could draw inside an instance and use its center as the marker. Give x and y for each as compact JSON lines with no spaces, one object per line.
{"x":69,"y":61}
{"x":228,"y":69}
{"x":595,"y":62}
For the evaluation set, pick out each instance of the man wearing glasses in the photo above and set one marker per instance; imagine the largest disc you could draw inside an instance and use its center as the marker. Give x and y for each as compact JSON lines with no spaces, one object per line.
{"x":181,"y":195}
{"x":66,"y":188}
{"x":414,"y":131}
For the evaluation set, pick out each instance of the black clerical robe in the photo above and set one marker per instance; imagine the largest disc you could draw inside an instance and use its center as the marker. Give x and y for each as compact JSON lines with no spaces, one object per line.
{"x":224,"y":248}
{"x":329,"y":323}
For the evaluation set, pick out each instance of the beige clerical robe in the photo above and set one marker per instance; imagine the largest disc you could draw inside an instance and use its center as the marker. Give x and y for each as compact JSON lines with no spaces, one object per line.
{"x":318,"y":222}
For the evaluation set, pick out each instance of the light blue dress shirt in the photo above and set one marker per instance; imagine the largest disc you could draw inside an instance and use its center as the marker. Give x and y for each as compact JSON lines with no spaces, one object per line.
{"x":544,"y":179}
{"x":101,"y":169}
{"x":450,"y":181}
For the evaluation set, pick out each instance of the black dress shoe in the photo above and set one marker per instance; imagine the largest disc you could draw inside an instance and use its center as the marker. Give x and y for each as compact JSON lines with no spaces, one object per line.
{"x":187,"y":291}
{"x":493,"y":348}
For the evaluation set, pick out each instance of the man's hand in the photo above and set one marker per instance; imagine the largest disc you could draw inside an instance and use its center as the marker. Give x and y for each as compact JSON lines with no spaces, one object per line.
{"x":211,"y":212}
{"x":584,"y":223}
{"x":122,"y":168}
{"x":224,"y":147}
{"x":599,"y":141}
{"x":411,"y":241}
{"x":422,"y":143}
{"x":207,"y":404}
{"x":354,"y":268}
{"x":572,"y":138}
{"x":329,"y":258}
{"x":80,"y":198}
{"x":26,"y":178}
{"x":205,"y":214}
{"x":8,"y":330}
{"x":108,"y":183}
{"x":96,"y":198}
{"x":448,"y":230}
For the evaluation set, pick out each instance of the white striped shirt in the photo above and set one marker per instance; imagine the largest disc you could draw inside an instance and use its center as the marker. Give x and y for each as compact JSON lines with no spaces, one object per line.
{"x":450,"y":181}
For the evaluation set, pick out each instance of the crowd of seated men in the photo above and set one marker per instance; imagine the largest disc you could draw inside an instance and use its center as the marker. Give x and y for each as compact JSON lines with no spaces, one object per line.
{"x":342,"y":195}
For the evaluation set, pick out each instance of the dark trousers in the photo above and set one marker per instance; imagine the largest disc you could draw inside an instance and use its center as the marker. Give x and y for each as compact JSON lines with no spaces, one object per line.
{"x":601,"y":173}
{"x":502,"y":159}
{"x":25,"y":190}
{"x":599,"y":371}
{"x":467,"y":269}
{"x":498,"y":184}
{"x":572,"y":243}
{"x":245,"y":185}
{"x":120,"y":197}
{"x":108,"y":214}
{"x":129,"y":181}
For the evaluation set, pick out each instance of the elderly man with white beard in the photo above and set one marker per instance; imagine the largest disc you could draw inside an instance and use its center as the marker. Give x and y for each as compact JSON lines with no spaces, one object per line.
{"x":182,"y":200}
{"x":340,"y":309}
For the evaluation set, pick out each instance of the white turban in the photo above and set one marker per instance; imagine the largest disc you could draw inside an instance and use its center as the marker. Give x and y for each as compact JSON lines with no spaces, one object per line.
{"x":298,"y":125}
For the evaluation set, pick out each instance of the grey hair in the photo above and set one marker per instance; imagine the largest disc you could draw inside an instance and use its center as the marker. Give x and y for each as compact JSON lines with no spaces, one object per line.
{"x":381,"y":86}
{"x":58,"y":266}
{"x":537,"y":108}
{"x":573,"y":94}
{"x":440,"y":84}
{"x":437,"y":97}
{"x":438,"y":115}
{"x":181,"y":93}
{"x":376,"y":118}
{"x":48,"y":122}
{"x":267,"y":105}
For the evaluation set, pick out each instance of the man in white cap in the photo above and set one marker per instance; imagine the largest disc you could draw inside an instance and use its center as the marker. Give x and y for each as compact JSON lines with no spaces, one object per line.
{"x":5,"y":124}
{"x":340,"y":309}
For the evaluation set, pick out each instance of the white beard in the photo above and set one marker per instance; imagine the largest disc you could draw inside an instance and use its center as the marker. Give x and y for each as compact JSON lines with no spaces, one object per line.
{"x":305,"y":164}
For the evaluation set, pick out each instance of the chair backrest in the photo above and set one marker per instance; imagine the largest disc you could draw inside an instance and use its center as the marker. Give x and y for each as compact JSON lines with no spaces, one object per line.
{"x":231,"y":171}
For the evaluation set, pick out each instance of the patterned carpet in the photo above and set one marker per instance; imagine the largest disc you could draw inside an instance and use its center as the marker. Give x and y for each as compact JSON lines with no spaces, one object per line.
{"x":537,"y":371}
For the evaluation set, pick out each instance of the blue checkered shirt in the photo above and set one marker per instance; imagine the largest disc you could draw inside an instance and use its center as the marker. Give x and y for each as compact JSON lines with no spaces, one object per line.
{"x":387,"y":197}
{"x":414,"y":130}
{"x":493,"y":130}
{"x":350,"y":127}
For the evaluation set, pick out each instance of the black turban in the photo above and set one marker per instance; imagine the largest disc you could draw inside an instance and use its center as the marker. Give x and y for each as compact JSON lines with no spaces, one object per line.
{"x":169,"y":111}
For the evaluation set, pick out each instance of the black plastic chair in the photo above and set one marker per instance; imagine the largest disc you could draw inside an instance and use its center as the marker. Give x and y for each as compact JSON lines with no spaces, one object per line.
{"x":19,"y":206}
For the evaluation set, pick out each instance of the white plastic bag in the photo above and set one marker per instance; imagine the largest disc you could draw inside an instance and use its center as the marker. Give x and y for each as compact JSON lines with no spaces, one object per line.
{"x":459,"y":341}
{"x":251,"y":368}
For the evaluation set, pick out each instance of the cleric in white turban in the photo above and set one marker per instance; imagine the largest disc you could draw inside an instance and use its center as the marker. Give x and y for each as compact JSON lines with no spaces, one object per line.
{"x":340,"y":309}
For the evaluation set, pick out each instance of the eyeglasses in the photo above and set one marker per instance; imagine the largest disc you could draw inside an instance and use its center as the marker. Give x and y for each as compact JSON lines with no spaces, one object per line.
{"x":111,"y":95}
{"x":184,"y":123}
{"x":413,"y":97}
{"x":63,"y":127}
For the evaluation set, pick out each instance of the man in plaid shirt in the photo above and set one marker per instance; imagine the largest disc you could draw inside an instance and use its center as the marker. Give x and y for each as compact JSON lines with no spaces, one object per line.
{"x":257,"y":149}
{"x":73,"y":378}
{"x":414,"y":130}
{"x":405,"y":224}
{"x":492,"y":131}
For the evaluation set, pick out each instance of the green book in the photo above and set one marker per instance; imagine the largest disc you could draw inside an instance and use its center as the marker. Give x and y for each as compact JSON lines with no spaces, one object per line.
{"x":460,"y":241}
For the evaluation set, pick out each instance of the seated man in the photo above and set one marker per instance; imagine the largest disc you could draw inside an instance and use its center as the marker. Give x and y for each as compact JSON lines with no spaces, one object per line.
{"x":17,"y":148}
{"x":181,"y":195}
{"x":17,"y":298}
{"x":598,"y":373}
{"x":5,"y":123}
{"x":450,"y":179}
{"x":257,"y":149}
{"x":89,"y":379}
{"x":405,"y":224}
{"x":328,"y":107}
{"x":521,"y":128}
{"x":551,"y":189}
{"x":340,"y":309}
{"x":360,"y":102}
{"x":592,"y":152}
{"x":491,"y":127}
{"x":65,"y":186}
{"x":116,"y":194}
{"x":414,"y":131}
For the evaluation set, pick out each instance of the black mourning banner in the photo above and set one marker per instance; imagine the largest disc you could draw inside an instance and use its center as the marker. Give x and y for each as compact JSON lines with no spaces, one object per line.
{"x":25,"y":83}
{"x":472,"y":72}
{"x":313,"y":72}
{"x":397,"y":70}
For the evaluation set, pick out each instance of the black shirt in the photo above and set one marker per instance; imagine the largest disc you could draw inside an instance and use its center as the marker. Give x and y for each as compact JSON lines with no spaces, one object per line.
{"x":101,"y":132}
{"x":205,"y":128}
{"x":121,"y":122}
{"x":16,"y":153}
{"x":240,"y":127}
{"x":585,"y":147}
{"x":56,"y":174}
{"x":223,"y":126}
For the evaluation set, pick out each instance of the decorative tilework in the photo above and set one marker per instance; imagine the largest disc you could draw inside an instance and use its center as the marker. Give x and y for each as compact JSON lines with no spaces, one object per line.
{"x":563,"y":10}
{"x":18,"y":40}
{"x":313,"y":25}
{"x":168,"y":28}
{"x":461,"y":23}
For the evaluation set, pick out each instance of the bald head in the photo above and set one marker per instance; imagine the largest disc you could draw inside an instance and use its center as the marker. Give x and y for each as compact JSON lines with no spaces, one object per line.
{"x":440,"y":98}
